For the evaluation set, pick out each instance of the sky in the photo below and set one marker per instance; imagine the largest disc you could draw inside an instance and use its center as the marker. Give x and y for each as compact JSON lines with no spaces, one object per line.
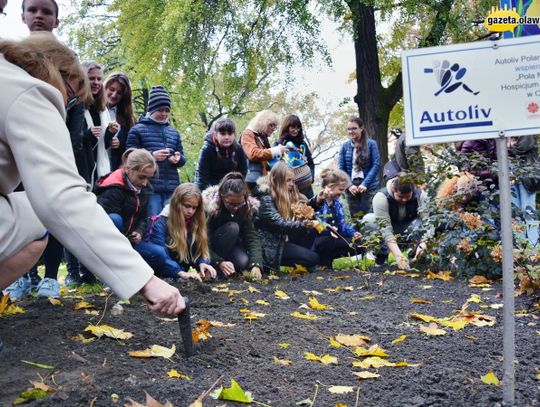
{"x":329,"y":82}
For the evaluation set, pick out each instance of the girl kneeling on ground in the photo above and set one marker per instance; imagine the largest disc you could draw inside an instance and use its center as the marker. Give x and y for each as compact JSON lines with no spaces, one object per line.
{"x":234,"y":244}
{"x":177,"y":239}
{"x":276,"y":193}
{"x":339,"y":239}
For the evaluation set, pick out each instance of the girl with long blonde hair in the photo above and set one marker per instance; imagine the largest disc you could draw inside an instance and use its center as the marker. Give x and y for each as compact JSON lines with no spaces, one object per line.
{"x":180,"y":236}
{"x":275,"y":220}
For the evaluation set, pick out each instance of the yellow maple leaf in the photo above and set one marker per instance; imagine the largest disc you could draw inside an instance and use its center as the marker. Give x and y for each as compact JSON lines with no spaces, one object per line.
{"x":154,"y":351}
{"x":253,"y":316}
{"x":490,"y":378}
{"x":284,"y":345}
{"x":262,"y":302}
{"x":341,"y":389}
{"x":334,"y":343}
{"x":308,"y":316}
{"x":422,"y":317}
{"x":174,"y":374}
{"x":109,"y":331}
{"x":456,"y":324}
{"x":325,"y":359}
{"x":298,"y":270}
{"x":282,"y":295}
{"x":399,"y":339}
{"x":352,"y":340}
{"x":366,"y":375}
{"x":419,"y":301}
{"x":374,"y":350}
{"x":374,"y":362}
{"x":284,"y":362}
{"x":441,"y":275}
{"x":315,"y":304}
{"x":432,"y":330}
{"x":83,"y":305}
{"x":82,"y":338}
{"x":474,"y":298}
{"x":252,"y":289}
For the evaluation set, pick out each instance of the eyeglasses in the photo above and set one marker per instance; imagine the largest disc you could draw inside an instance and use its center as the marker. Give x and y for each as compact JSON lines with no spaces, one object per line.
{"x":273,"y":125}
{"x":234,"y":205}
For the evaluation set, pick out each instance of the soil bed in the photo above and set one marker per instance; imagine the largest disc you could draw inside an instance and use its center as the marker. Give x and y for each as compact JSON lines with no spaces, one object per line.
{"x":378,"y":306}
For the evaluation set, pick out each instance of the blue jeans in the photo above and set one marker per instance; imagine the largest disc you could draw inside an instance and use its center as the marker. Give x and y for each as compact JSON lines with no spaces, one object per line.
{"x":157,"y":201}
{"x":526,"y":202}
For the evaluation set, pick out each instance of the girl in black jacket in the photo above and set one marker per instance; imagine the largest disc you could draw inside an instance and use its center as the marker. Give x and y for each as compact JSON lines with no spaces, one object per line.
{"x":220,"y":155}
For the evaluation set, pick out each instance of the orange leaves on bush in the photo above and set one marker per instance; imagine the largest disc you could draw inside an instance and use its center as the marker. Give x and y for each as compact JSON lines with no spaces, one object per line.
{"x":302,"y":211}
{"x":496,"y":253}
{"x":471,"y":220}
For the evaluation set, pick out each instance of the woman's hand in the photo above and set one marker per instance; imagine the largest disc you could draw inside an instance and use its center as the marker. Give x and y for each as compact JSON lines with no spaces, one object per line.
{"x":227,"y":268}
{"x":189,"y":276}
{"x":403,"y":263}
{"x":206,"y":270}
{"x":361,"y":189}
{"x":135,"y":237}
{"x":256,"y":273}
{"x":115,"y":143}
{"x":113,"y":127}
{"x":162,"y":297}
{"x":96,"y":131}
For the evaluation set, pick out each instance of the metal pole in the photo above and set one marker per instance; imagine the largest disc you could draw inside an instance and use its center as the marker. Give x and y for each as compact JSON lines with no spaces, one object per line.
{"x":508,"y":273}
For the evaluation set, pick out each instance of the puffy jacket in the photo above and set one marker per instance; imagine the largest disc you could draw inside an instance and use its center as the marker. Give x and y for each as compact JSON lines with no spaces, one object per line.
{"x":215,"y":162}
{"x":371,"y":166}
{"x":271,"y":227}
{"x":115,"y":196}
{"x":158,"y":234}
{"x":333,"y":215}
{"x":217,"y":217}
{"x":153,"y":136}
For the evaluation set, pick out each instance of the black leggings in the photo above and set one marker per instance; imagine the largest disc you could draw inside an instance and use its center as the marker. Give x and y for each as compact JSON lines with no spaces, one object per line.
{"x":330,"y":248}
{"x":296,"y":254}
{"x":52,"y":256}
{"x":226,"y":243}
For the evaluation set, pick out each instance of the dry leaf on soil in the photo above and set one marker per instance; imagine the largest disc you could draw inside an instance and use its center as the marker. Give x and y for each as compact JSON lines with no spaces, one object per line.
{"x":262,"y":302}
{"x":334,"y":343}
{"x":154,"y":352}
{"x":399,"y":339}
{"x":419,"y":301}
{"x":284,"y":362}
{"x":282,"y":295}
{"x":233,"y":393}
{"x":374,"y":362}
{"x":352,"y":340}
{"x":490,"y":378}
{"x":432,"y":330}
{"x":341,"y":389}
{"x":309,"y":316}
{"x":109,"y":331}
{"x":9,"y":309}
{"x":374,"y":350}
{"x":441,"y":275}
{"x":366,"y":375}
{"x":82,"y":338}
{"x":174,"y":374}
{"x":150,"y":402}
{"x":324,"y":359}
{"x":315,"y":304}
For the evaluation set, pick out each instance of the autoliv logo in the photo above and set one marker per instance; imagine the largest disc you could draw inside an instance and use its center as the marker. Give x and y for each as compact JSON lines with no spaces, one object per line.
{"x":450,"y":78}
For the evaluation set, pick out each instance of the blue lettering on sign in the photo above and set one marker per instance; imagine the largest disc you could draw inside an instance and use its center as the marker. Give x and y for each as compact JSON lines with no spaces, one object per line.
{"x":472,"y":116}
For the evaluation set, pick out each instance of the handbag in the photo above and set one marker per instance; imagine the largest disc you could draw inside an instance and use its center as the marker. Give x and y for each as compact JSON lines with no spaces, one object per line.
{"x":391,"y":170}
{"x":298,"y":163}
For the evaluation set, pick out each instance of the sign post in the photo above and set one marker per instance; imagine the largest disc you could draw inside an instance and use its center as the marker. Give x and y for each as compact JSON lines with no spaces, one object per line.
{"x":478,"y":91}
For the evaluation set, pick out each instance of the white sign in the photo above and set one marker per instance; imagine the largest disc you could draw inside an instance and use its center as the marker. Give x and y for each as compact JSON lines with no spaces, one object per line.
{"x":472,"y":91}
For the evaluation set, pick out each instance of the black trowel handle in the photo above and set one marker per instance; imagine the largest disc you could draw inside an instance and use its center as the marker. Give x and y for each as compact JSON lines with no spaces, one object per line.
{"x":184,"y":320}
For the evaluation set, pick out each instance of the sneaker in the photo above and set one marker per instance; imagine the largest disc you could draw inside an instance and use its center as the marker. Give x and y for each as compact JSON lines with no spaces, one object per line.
{"x":73,"y":280}
{"x":19,"y":289}
{"x":48,"y":287}
{"x":381,"y":258}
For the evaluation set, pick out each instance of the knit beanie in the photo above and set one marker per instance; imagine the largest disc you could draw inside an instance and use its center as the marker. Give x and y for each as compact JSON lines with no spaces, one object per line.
{"x":159,"y":97}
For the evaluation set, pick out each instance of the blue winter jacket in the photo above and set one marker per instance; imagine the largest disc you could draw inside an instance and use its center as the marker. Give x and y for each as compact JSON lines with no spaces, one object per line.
{"x":153,"y":136}
{"x":371,"y":166}
{"x":158,"y":234}
{"x":334,"y":215}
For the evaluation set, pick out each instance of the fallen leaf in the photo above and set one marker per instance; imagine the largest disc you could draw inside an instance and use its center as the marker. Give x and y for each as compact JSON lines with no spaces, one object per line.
{"x":252,"y":289}
{"x":334,"y":343}
{"x":262,"y":302}
{"x":479,"y":280}
{"x":29,"y":395}
{"x":233,"y":393}
{"x":422,"y":317}
{"x":427,"y":287}
{"x":490,"y":378}
{"x":245,"y":301}
{"x":309,"y":316}
{"x":537,"y":374}
{"x":298,"y":270}
{"x":341,"y":389}
{"x":366,"y":298}
{"x":154,"y":352}
{"x":374,"y":350}
{"x":366,"y":375}
{"x":284,"y":362}
{"x":340,"y":405}
{"x":107,"y":330}
{"x":114,"y":398}
{"x":315,"y":304}
{"x":284,"y":345}
{"x":43,"y":386}
{"x":54,"y":301}
{"x":150,"y":402}
{"x":432,"y":330}
{"x":441,"y":275}
{"x":474,"y":298}
{"x":9,"y":309}
{"x":374,"y":362}
{"x":456,"y":324}
{"x":419,"y":301}
{"x":202,"y":333}
{"x":89,"y":312}
{"x":218,"y":324}
{"x":83,"y":305}
{"x":174,"y":374}
{"x":352,"y":340}
{"x":399,"y":339}
{"x":496,"y":306}
{"x":325,"y":359}
{"x":253,"y":316}
{"x":281,"y":295}
{"x":37,"y":364}
{"x":82,"y":338}
{"x":311,"y":292}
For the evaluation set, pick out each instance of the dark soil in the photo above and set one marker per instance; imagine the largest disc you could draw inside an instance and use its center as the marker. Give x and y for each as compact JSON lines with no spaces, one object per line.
{"x":448,"y":375}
